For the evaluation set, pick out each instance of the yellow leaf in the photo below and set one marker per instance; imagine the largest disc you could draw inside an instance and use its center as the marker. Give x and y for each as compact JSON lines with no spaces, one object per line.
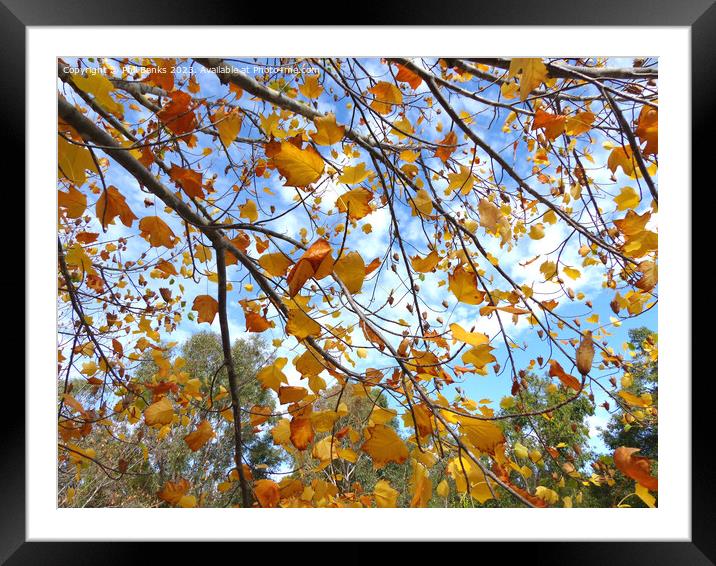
{"x":248,"y":211}
{"x":229,"y":126}
{"x":421,"y":486}
{"x":301,"y":167}
{"x":537,"y":231}
{"x":301,"y":432}
{"x":386,"y":95}
{"x":489,"y":214}
{"x":571,"y":272}
{"x":645,"y":496}
{"x":73,"y":160}
{"x":275,"y":264}
{"x":159,"y":413}
{"x":99,"y":87}
{"x":384,"y":445}
{"x":463,"y":285}
{"x":463,"y":180}
{"x":443,"y":489}
{"x":532,"y":73}
{"x":301,"y":325}
{"x":310,"y":87}
{"x":479,"y":356}
{"x":627,"y":198}
{"x":354,"y":175}
{"x":327,"y":131}
{"x":350,"y":269}
{"x":356,"y":202}
{"x":200,"y":436}
{"x":173,"y":491}
{"x":484,"y":435}
{"x":425,"y":264}
{"x":580,"y":123}
{"x":267,"y":492}
{"x":472,"y":338}
{"x":271,"y":377}
{"x":74,"y":202}
{"x":421,"y":203}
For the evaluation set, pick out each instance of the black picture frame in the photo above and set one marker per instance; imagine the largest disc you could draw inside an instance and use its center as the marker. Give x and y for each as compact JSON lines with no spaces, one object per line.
{"x":698,"y":15}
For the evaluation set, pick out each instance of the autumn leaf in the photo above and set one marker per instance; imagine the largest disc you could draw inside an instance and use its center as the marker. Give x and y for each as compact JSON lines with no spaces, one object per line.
{"x":156,"y":232}
{"x":425,"y":264}
{"x":463,"y":180}
{"x":532,"y":73}
{"x":580,"y":123}
{"x":301,"y":432}
{"x":556,"y":370}
{"x":276,"y":264}
{"x":311,"y":88}
{"x":350,"y":269}
{"x":472,"y":338}
{"x":203,"y":434}
{"x":267,"y":493}
{"x":159,"y":413}
{"x":327,"y":131}
{"x":189,"y":180}
{"x":111,"y":204}
{"x":300,"y":167}
{"x":356,"y":202}
{"x":463,"y":285}
{"x":354,"y":175}
{"x":207,"y":307}
{"x":173,"y":491}
{"x":447,"y":146}
{"x":228,"y":125}
{"x":271,"y":377}
{"x":552,"y":124}
{"x":383,"y":445}
{"x":385,"y":97}
{"x":585,"y":353}
{"x":636,"y":467}
{"x":99,"y":86}
{"x":74,"y":202}
{"x":385,"y":495}
{"x":405,"y":75}
{"x":313,"y":263}
{"x":73,"y":161}
{"x":161,"y":74}
{"x":178,"y":114}
{"x":647,"y":129}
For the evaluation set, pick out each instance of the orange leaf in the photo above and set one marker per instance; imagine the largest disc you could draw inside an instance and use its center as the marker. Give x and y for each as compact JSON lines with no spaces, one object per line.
{"x":308,"y":266}
{"x":156,"y":232}
{"x":448,"y":145}
{"x":177,"y":115}
{"x":188,"y":180}
{"x":202,"y":435}
{"x":173,"y":491}
{"x":405,"y":75}
{"x":637,"y":468}
{"x":301,"y":432}
{"x":553,"y":124}
{"x":112,"y":204}
{"x":207,"y":307}
{"x":556,"y":370}
{"x":267,"y":492}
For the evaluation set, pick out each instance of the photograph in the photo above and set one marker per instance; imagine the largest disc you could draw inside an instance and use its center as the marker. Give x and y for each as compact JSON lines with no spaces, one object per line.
{"x":358,"y":282}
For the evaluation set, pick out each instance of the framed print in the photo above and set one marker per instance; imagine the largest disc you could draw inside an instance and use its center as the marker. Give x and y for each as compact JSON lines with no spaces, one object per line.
{"x":417,"y":273}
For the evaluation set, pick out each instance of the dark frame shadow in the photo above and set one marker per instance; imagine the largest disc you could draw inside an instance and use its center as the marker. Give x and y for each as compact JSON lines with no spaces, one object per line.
{"x":699,"y":15}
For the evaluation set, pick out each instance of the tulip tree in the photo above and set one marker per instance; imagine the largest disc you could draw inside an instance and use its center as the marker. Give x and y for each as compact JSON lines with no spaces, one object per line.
{"x":404,"y":230}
